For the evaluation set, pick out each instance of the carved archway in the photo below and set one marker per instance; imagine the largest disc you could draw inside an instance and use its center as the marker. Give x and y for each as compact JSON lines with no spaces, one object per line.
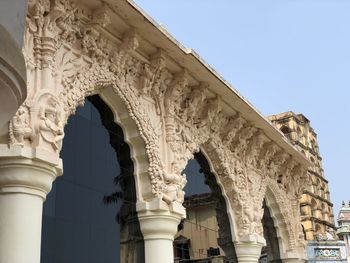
{"x":96,"y":196}
{"x":166,"y":111}
{"x":224,"y":215}
{"x":271,"y":252}
{"x":285,"y":214}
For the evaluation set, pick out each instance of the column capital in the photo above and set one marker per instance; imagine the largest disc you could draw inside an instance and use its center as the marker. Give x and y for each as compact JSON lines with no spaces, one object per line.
{"x":158,"y":205}
{"x":158,"y":222}
{"x":158,"y":219}
{"x":27,"y":170}
{"x":248,"y":250}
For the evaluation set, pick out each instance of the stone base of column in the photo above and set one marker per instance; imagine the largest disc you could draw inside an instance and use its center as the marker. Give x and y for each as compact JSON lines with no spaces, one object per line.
{"x":249,"y":250}
{"x":158,"y":223}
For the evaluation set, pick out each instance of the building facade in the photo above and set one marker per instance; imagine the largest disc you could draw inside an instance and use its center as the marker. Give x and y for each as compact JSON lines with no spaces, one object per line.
{"x":151,"y":106}
{"x":343,"y":231}
{"x":316,"y":207}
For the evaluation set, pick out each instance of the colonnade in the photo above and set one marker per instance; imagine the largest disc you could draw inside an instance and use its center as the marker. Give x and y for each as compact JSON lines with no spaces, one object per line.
{"x":26,"y":177}
{"x":169,"y":104}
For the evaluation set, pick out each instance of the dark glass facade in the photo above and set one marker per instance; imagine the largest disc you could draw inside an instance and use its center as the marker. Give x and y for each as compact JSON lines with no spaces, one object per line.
{"x":77,"y":225}
{"x":195,"y":179}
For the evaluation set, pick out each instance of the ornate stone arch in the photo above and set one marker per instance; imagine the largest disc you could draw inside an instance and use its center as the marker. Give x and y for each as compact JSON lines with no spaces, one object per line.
{"x":70,"y":57}
{"x":95,"y":78}
{"x":282,"y":211}
{"x":226,"y":221}
{"x":282,"y":228}
{"x":167,"y":110}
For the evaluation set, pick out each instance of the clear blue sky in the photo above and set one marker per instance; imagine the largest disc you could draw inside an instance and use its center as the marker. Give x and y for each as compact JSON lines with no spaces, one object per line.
{"x":281,"y":55}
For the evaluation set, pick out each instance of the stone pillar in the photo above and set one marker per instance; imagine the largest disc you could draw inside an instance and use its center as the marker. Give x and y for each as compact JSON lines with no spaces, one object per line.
{"x":26,"y":176}
{"x":248,"y":250}
{"x":158,"y":223}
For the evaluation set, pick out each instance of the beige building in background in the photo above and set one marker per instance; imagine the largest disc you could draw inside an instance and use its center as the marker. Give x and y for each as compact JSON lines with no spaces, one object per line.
{"x":315,"y":204}
{"x":200,"y":230}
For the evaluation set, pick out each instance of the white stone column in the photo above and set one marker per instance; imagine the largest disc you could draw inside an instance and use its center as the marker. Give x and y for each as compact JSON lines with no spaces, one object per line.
{"x":26,"y":176}
{"x":248,"y":250}
{"x":158,"y":223}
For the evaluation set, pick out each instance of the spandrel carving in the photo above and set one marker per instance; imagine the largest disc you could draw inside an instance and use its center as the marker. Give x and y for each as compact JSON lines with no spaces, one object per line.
{"x":66,"y":15}
{"x":275,"y":165}
{"x":254,"y":148}
{"x":37,"y":11}
{"x":20,"y":129}
{"x":50,"y":126}
{"x":265,"y":162}
{"x":174,"y":95}
{"x":230,"y":131}
{"x":193,"y":105}
{"x":41,"y":124}
{"x":152,"y":77}
{"x":239,"y":146}
{"x":285,"y":175}
{"x":173,"y":185}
